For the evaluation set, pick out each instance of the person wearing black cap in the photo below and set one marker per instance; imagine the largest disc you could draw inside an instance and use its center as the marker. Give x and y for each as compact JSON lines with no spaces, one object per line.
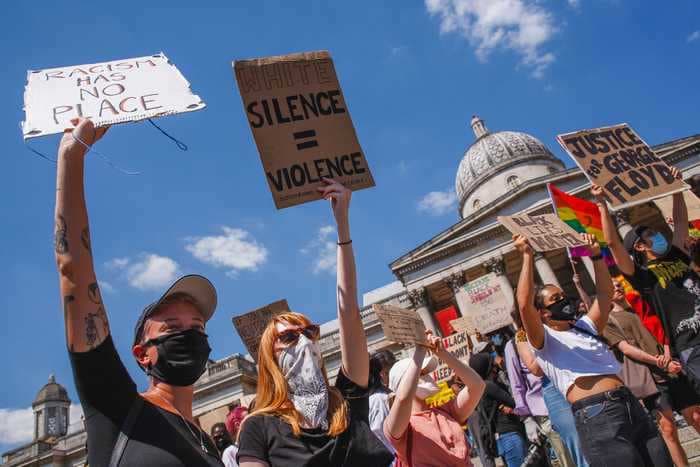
{"x":123,"y":426}
{"x":662,"y":274}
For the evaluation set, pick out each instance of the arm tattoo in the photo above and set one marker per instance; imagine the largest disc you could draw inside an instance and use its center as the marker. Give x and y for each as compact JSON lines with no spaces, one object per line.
{"x":94,"y":293}
{"x":85,"y":239}
{"x":61,"y":236}
{"x":90,"y":329}
{"x":92,"y":332}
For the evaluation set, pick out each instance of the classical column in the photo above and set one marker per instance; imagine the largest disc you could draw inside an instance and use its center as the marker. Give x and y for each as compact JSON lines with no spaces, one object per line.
{"x":419,"y":301}
{"x":544,"y":270}
{"x":622,"y":220}
{"x":497,"y":265}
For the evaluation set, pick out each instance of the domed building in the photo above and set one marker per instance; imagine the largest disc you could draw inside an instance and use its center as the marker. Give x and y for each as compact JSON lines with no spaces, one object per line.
{"x":51,"y":411}
{"x":505,"y":160}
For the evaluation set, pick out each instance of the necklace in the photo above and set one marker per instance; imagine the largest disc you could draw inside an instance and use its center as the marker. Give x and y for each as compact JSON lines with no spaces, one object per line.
{"x":201,"y":438}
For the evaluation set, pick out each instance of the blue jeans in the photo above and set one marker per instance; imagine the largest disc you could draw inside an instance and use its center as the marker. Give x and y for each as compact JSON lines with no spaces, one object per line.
{"x":563,"y":421}
{"x":512,"y":448}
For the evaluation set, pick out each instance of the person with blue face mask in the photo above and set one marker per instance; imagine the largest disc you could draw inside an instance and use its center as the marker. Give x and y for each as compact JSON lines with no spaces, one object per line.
{"x":660,"y":271}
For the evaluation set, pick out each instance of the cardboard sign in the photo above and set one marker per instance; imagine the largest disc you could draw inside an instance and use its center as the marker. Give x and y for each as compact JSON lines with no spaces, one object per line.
{"x":458,"y":346}
{"x":545,"y":232}
{"x":400,"y":325}
{"x":692,"y":202}
{"x":301,"y":125}
{"x":251,"y":325}
{"x":485,"y":303}
{"x":617,"y":159}
{"x":464,"y":323}
{"x":106,"y":93}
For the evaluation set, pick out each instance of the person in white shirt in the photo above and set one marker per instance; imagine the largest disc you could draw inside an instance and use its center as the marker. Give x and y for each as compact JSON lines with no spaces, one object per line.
{"x":380,"y":364}
{"x":224,"y":444}
{"x":613,"y":427}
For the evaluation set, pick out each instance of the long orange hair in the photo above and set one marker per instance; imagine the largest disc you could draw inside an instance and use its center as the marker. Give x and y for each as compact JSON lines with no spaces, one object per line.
{"x":272,"y":397}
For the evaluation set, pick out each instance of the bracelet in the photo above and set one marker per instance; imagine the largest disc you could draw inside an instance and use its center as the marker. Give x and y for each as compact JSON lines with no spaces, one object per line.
{"x":345,"y":243}
{"x":596,"y":257}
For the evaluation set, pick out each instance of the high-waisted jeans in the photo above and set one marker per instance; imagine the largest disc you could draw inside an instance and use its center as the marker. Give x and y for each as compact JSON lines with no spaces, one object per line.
{"x":615,"y":431}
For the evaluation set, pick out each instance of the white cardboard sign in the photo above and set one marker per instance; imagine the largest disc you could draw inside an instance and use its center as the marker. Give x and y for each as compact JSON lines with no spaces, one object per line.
{"x":107,"y":93}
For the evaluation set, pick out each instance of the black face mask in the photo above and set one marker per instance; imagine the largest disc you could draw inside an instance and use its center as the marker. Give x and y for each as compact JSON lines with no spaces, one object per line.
{"x":222,"y":442}
{"x":565,"y":309}
{"x":182,"y":357}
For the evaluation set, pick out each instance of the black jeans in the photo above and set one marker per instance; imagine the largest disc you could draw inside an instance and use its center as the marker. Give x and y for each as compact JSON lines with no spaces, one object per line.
{"x":615,"y":431}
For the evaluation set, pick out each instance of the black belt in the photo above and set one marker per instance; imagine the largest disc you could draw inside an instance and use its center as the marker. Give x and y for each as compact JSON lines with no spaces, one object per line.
{"x":616,"y":394}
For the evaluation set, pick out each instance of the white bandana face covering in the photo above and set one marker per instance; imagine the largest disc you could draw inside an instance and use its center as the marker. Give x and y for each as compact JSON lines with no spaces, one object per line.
{"x":301,"y":366}
{"x":426,"y":387}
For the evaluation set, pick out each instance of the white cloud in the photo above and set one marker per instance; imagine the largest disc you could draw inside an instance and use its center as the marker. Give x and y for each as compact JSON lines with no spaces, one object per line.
{"x":323,"y":250}
{"x":152,"y":272}
{"x":235,"y":250}
{"x":523,"y":26}
{"x":573,"y":3}
{"x":695,"y":35}
{"x":437,"y":203}
{"x":117,"y":263}
{"x":106,"y":287}
{"x":17,"y":425}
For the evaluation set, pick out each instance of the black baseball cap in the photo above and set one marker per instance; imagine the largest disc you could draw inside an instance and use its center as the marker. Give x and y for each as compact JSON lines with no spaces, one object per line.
{"x":194,"y":285}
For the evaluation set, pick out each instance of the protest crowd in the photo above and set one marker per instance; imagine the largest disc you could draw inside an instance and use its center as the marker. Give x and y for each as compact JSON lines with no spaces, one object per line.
{"x":581,"y":380}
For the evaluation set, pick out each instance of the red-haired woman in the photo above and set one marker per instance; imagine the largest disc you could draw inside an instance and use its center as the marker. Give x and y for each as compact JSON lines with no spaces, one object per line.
{"x":299,"y":418}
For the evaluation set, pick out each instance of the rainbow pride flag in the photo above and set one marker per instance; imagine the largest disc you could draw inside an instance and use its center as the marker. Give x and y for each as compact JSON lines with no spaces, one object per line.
{"x":582,"y":216}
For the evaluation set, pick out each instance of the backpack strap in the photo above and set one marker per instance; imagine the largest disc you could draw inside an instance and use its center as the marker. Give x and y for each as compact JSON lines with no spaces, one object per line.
{"x":125,"y":431}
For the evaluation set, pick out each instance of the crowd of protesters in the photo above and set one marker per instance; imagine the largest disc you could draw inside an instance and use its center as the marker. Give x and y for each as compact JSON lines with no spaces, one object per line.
{"x":584,"y":380}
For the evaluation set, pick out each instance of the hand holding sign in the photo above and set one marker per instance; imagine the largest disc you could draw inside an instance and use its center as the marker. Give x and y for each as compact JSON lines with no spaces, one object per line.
{"x":83,"y":133}
{"x":339,"y":196}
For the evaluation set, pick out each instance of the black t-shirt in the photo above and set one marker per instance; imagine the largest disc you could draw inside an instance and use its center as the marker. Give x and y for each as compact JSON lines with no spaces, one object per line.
{"x":158,"y":437}
{"x":496,"y":394}
{"x":270,"y":439}
{"x":674,"y":290}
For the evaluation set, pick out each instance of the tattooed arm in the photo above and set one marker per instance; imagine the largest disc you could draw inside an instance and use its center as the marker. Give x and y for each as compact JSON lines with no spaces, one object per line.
{"x":84,"y":314}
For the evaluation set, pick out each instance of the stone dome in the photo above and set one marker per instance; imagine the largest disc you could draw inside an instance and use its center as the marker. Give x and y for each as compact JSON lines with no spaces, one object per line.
{"x":512,"y":156}
{"x":51,"y":392}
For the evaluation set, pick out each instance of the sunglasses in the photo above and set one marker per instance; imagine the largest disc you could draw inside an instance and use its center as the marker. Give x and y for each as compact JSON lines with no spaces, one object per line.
{"x":291,"y":336}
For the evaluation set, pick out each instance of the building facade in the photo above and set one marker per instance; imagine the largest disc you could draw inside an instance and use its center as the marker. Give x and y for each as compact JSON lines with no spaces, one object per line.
{"x":500,"y":173}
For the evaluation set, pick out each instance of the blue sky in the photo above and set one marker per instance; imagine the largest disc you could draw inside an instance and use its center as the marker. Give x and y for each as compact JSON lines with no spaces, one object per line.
{"x":412,"y":76}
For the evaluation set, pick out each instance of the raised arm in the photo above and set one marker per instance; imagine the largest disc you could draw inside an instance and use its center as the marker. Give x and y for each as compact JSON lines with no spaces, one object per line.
{"x":353,"y":343}
{"x":680,"y":217}
{"x":600,"y":309}
{"x":399,"y":416}
{"x":585,"y":298}
{"x":474,"y":385}
{"x":612,"y":238}
{"x":528,"y":358}
{"x":532,"y":322}
{"x":84,"y":313}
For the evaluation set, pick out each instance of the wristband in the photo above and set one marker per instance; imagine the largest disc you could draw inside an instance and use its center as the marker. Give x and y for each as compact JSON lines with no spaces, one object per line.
{"x":596,"y":257}
{"x":345,"y":243}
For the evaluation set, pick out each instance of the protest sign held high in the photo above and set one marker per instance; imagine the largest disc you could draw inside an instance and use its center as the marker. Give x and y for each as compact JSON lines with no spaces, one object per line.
{"x":617,"y":159}
{"x":301,"y":125}
{"x":464,"y":323}
{"x":401,"y":325}
{"x":251,"y":325}
{"x":106,"y":93}
{"x":484,"y":303}
{"x":546,"y":232}
{"x":458,"y":345}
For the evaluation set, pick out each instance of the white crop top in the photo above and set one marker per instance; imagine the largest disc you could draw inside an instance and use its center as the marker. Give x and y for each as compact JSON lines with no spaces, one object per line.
{"x":568,"y":355}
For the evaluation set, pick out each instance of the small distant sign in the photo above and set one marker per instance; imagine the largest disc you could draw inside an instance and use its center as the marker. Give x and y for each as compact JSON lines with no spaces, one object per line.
{"x":401,"y":325}
{"x":545,"y":232}
{"x":251,"y":325}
